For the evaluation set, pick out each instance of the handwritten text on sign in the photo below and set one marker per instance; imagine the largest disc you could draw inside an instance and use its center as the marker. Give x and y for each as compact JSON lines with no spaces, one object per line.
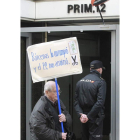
{"x":54,"y":59}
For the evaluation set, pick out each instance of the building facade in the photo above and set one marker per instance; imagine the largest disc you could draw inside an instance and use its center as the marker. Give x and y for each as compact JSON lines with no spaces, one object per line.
{"x":48,"y":20}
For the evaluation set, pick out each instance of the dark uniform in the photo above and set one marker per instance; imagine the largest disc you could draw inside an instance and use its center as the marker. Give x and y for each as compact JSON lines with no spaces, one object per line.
{"x":89,"y":99}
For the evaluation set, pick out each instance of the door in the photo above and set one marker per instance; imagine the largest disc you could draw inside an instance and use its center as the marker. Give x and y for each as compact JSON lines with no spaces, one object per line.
{"x":93,"y":45}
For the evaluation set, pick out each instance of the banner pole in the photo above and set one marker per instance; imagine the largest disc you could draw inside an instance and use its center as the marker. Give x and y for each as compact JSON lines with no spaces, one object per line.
{"x":59,"y":108}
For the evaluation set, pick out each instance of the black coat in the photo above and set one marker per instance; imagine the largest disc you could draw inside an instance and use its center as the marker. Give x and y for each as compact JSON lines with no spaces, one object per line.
{"x":42,"y":124}
{"x":90,"y":95}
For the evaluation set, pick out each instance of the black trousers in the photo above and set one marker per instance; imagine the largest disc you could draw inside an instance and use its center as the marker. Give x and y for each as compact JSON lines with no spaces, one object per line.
{"x":90,"y":131}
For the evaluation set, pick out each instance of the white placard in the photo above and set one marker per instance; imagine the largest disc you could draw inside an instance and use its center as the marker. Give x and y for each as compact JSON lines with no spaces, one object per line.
{"x":54,"y":59}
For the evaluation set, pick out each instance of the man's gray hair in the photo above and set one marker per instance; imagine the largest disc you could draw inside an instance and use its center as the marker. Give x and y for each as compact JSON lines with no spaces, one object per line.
{"x":47,"y":87}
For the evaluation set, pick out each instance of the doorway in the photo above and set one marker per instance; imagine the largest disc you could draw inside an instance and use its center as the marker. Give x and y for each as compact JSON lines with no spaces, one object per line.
{"x":93,"y":45}
{"x":67,"y":83}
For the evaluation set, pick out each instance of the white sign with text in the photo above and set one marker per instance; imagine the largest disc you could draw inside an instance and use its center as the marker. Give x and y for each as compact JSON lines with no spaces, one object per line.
{"x":54,"y":59}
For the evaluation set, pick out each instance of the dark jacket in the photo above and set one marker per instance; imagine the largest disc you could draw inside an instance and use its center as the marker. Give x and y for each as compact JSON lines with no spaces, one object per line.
{"x":90,"y":95}
{"x":42,"y":124}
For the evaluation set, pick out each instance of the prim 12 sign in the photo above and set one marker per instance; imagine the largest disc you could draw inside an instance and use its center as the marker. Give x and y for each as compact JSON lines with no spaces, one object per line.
{"x":85,"y":8}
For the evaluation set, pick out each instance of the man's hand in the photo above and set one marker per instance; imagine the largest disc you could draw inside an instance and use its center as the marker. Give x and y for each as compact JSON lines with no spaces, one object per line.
{"x":62,"y":117}
{"x":64,"y":135}
{"x":83,"y":118}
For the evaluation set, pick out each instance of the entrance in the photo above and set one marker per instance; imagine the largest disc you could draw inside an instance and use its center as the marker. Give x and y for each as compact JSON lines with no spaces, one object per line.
{"x":95,"y":42}
{"x":93,"y":45}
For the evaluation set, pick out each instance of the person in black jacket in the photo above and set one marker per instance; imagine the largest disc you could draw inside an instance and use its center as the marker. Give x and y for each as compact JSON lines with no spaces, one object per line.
{"x":45,"y":119}
{"x":89,"y":102}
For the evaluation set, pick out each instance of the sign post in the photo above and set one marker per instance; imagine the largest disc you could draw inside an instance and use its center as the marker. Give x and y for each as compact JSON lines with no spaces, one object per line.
{"x":59,"y":107}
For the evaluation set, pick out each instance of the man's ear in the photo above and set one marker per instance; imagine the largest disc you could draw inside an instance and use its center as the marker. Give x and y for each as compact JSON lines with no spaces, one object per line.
{"x":100,"y":70}
{"x":46,"y":92}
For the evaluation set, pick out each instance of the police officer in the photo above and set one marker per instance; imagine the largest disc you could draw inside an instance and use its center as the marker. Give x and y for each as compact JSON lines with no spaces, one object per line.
{"x":89,"y":102}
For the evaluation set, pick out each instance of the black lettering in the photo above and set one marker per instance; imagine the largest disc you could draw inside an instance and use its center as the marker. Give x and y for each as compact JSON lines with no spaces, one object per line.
{"x":88,"y":8}
{"x":76,"y":7}
{"x":97,"y":8}
{"x":74,"y":60}
{"x":81,"y":8}
{"x":103,"y":5}
{"x":93,"y":9}
{"x":70,"y":7}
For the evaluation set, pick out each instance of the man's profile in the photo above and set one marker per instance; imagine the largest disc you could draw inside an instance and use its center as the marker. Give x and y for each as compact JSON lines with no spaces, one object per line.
{"x":45,"y":121}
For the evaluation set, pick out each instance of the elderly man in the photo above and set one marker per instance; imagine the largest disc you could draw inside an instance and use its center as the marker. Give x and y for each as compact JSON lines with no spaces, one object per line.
{"x":45,"y":119}
{"x":90,"y":96}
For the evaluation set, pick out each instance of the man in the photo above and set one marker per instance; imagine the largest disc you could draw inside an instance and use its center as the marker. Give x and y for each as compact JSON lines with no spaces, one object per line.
{"x":45,"y":119}
{"x":89,"y":102}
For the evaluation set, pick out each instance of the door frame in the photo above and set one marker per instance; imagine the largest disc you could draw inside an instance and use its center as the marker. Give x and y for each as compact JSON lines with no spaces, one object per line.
{"x":114,"y":29}
{"x":28,"y":37}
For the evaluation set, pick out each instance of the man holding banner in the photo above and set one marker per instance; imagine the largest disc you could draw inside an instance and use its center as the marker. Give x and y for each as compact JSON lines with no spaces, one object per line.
{"x":89,"y":102}
{"x":45,"y":121}
{"x":47,"y":61}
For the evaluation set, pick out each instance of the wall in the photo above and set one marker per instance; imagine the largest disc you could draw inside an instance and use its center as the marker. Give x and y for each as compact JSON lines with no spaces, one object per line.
{"x":54,"y":10}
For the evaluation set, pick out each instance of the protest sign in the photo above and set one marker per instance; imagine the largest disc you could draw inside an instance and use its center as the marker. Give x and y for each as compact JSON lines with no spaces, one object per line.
{"x":54,"y":59}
